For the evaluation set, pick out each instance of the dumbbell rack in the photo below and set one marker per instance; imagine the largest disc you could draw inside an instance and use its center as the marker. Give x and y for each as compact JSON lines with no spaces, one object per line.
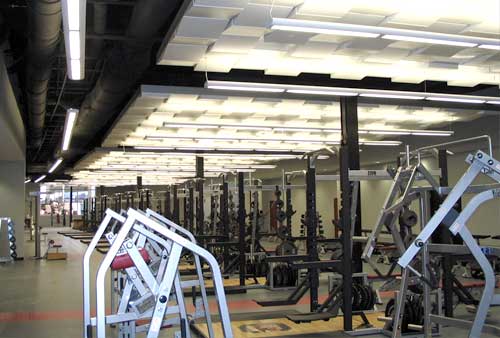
{"x":7,"y":240}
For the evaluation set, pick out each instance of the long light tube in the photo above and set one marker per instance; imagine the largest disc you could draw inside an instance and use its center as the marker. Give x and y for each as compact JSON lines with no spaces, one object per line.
{"x":41,"y":178}
{"x":71,"y":116}
{"x":195,"y":125}
{"x":338,"y":28}
{"x":55,"y":165}
{"x":27,"y":181}
{"x":74,"y":15}
{"x":362,"y":92}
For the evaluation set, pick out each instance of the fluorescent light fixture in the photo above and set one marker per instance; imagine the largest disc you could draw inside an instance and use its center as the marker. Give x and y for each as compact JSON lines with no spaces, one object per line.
{"x":74,"y":45}
{"x":243,"y":127}
{"x":393,"y":96}
{"x":191,"y":125}
{"x":74,"y":12}
{"x":343,"y":29}
{"x":318,"y":27}
{"x":320,"y":92}
{"x":380,"y":143}
{"x":341,"y":91}
{"x":75,"y":69}
{"x":493,"y":102}
{"x":41,"y":178}
{"x":55,"y":165}
{"x":27,"y":181}
{"x":389,"y":132}
{"x":423,"y":133}
{"x":494,"y":47}
{"x":454,"y":99}
{"x":252,"y":89}
{"x":428,"y":40}
{"x":71,"y":116}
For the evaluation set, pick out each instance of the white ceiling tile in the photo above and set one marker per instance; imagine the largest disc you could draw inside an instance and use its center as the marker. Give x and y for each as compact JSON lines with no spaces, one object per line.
{"x":315,"y":50}
{"x":255,"y":15}
{"x":297,"y":38}
{"x":366,"y":43}
{"x":234,"y":44}
{"x":362,"y":19}
{"x":222,"y":9}
{"x":192,"y":53}
{"x":447,"y":27}
{"x":196,"y":27}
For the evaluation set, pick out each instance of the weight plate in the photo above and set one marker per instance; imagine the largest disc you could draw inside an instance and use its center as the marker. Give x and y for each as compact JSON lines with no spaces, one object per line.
{"x":279,"y":204}
{"x":408,"y":218}
{"x":285,"y":274}
{"x":278,"y":276}
{"x":286,"y":248}
{"x":281,"y":216}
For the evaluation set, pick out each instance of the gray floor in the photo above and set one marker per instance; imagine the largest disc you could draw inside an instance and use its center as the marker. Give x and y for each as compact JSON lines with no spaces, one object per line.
{"x":42,"y":298}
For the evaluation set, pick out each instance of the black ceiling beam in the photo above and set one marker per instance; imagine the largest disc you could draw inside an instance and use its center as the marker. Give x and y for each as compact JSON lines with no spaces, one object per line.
{"x":186,"y":76}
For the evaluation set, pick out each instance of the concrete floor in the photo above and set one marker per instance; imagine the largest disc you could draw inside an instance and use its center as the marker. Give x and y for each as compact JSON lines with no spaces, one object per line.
{"x":43,"y":299}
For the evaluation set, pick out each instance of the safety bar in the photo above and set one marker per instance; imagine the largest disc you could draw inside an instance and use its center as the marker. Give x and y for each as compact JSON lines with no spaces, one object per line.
{"x":178,"y":241}
{"x":109,"y":216}
{"x":440,"y":145}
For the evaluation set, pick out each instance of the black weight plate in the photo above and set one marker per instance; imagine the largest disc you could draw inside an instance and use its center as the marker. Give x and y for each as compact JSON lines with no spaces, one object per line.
{"x":279,"y":204}
{"x":282,"y":232}
{"x":286,"y":274}
{"x":408,"y":218}
{"x":293,"y":277}
{"x":355,"y":298}
{"x":366,"y":298}
{"x":278,"y":280}
{"x":281,"y":216}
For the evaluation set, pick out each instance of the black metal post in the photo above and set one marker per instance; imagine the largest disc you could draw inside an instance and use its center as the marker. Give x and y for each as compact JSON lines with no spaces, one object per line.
{"x":288,"y":207}
{"x":70,"y":206}
{"x":349,"y":160}
{"x":241,"y":223}
{"x":224,"y":215}
{"x":168,"y":204}
{"x":191,"y":208}
{"x":312,"y":227}
{"x":200,"y":211}
{"x":443,"y":235}
{"x":345,"y":217}
{"x":176,"y":205}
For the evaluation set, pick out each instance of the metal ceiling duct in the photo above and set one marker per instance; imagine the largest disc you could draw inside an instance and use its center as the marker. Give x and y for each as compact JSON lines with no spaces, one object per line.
{"x":43,"y":41}
{"x":123,"y":68}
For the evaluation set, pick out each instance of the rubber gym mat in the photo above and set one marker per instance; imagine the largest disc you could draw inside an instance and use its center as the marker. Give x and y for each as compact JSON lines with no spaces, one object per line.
{"x":282,"y":327}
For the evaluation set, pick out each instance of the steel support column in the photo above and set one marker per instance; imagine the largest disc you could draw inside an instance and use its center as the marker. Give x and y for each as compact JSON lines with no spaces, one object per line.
{"x":200,"y":211}
{"x":312,"y":226}
{"x":349,"y":160}
{"x":241,"y":223}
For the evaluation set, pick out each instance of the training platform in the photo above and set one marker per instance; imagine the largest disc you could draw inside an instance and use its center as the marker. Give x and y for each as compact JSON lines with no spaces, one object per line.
{"x":282,"y":327}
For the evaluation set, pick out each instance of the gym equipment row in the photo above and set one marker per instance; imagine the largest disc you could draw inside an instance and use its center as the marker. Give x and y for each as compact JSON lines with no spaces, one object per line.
{"x":145,"y":252}
{"x":480,"y":164}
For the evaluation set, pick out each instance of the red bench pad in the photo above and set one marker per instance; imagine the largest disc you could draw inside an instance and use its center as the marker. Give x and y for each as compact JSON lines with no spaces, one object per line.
{"x":124,"y":261}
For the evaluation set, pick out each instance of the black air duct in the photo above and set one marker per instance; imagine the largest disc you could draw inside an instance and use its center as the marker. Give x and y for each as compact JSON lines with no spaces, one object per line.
{"x":43,"y":41}
{"x":123,"y":68}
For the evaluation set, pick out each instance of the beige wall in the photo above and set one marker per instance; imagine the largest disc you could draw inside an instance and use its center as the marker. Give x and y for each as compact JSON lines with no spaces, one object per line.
{"x":12,"y":158}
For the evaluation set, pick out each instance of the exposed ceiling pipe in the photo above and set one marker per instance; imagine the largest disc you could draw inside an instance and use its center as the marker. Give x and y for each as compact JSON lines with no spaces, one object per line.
{"x":126,"y":63}
{"x":43,"y":41}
